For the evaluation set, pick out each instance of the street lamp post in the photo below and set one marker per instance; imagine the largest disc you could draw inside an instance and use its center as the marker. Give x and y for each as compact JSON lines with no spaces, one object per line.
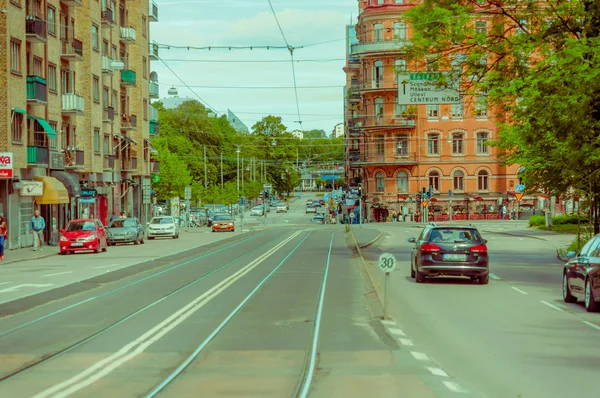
{"x":238,"y":167}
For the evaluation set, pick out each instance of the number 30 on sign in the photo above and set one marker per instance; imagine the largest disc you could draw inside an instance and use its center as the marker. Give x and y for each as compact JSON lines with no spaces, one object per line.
{"x":387,"y":262}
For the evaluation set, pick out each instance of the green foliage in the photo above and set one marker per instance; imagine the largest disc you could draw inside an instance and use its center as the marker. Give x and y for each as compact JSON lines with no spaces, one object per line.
{"x":536,"y":221}
{"x":174,"y":175}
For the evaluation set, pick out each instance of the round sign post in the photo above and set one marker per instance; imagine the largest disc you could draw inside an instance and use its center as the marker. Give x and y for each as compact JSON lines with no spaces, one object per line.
{"x":387,"y":263}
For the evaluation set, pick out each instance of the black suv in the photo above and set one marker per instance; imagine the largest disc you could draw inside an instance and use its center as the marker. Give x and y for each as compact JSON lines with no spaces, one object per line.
{"x":449,"y":250}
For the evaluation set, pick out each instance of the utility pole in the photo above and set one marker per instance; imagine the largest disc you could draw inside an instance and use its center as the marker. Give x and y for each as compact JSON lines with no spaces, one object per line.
{"x":205,"y":176}
{"x":221,"y":170}
{"x":238,"y":168}
{"x":243,"y":172}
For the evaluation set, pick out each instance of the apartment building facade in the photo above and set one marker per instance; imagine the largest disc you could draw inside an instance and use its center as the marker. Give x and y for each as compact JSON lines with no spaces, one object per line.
{"x":75,"y":113}
{"x":395,"y":150}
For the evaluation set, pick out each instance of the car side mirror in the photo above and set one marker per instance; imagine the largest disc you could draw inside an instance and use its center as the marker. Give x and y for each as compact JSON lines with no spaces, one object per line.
{"x":571,"y":254}
{"x":412,"y":240}
{"x":485,"y":241}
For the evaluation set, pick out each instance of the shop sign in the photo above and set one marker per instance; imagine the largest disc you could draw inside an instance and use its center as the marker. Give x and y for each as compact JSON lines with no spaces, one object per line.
{"x":32,"y":188}
{"x":88,"y":193}
{"x":6,"y":165}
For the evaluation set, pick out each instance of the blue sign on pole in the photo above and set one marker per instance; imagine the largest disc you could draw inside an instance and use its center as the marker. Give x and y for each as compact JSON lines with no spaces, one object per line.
{"x":242,"y":201}
{"x":520,"y":188}
{"x":328,"y":177}
{"x":326,"y":197}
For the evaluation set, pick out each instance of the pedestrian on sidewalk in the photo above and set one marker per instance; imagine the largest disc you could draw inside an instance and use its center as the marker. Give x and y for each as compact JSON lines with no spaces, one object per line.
{"x":3,"y":236}
{"x":37,"y":230}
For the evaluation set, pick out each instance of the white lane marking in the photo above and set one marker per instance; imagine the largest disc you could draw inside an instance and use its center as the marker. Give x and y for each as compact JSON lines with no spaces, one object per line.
{"x":590,"y":324}
{"x":397,"y":331}
{"x":420,"y":356}
{"x":406,"y":342}
{"x":437,"y":372}
{"x":57,"y":273}
{"x":386,"y":322}
{"x":137,"y":346}
{"x":108,"y":266}
{"x":519,"y":290}
{"x":452,"y":386}
{"x":4,"y":283}
{"x":551,"y":305}
{"x":15,"y":288}
{"x":495,"y":277}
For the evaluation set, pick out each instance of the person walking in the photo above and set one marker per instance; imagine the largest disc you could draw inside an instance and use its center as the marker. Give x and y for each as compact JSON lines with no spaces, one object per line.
{"x":37,"y":230}
{"x":3,"y":236}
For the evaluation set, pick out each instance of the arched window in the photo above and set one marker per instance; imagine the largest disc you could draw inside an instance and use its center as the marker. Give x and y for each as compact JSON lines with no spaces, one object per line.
{"x":402,"y":181}
{"x":434,"y":180}
{"x":379,"y":108}
{"x":378,"y":32}
{"x":377,"y":78}
{"x":483,"y":181}
{"x":459,"y":180}
{"x":380,"y":182}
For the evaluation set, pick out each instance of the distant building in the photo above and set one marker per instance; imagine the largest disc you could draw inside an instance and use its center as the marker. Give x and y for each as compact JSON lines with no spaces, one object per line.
{"x":298,"y":134}
{"x":338,"y":131}
{"x":174,"y":100}
{"x":236,"y":123}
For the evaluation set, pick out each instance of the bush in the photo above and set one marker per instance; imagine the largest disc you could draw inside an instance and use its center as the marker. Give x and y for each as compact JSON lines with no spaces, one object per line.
{"x":537,"y":221}
{"x":582,"y":241}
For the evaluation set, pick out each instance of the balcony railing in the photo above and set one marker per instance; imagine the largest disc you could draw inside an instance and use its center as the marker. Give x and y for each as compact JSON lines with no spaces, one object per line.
{"x":390,"y":158}
{"x":129,"y":164}
{"x":74,"y":158}
{"x":153,"y":128}
{"x":127,"y":35}
{"x":35,"y":29}
{"x":153,"y":114}
{"x":38,"y":155}
{"x":108,"y":18}
{"x":72,"y":50}
{"x":109,"y":162}
{"x":153,"y":93}
{"x":36,"y":89}
{"x":153,"y":51}
{"x":408,"y":121}
{"x":379,"y":47}
{"x":72,"y":103}
{"x":128,"y":77}
{"x":153,"y":13}
{"x":128,"y":122}
{"x":107,"y":65}
{"x":108,"y":115}
{"x":376,"y":85}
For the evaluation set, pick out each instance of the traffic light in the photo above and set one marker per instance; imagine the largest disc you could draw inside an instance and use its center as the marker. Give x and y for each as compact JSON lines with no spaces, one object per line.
{"x":424,"y":193}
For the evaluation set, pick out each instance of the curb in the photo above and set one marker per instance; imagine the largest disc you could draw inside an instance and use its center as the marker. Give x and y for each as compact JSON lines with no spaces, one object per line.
{"x":519,"y":235}
{"x":369,"y":243}
{"x":366,"y":268}
{"x":20,"y":260}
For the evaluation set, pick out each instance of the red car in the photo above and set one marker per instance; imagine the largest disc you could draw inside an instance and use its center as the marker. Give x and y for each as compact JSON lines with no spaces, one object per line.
{"x":83,"y":235}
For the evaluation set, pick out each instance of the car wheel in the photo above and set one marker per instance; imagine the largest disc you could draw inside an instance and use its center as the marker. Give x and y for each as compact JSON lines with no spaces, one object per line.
{"x":104,"y":248}
{"x":151,"y":237}
{"x":590,"y":301}
{"x":112,"y":244}
{"x":484,"y":280}
{"x":420,"y":277}
{"x":97,"y":250}
{"x":136,"y":241}
{"x":412,"y":270}
{"x":142,"y":241}
{"x":567,"y":296}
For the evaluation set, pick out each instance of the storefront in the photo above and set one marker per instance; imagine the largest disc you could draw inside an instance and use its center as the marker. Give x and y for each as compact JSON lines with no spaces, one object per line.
{"x":52,"y":204}
{"x":87,"y":203}
{"x":71,"y":183}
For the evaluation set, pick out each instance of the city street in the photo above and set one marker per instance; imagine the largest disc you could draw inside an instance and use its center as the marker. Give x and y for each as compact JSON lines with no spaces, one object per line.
{"x":512,"y":338}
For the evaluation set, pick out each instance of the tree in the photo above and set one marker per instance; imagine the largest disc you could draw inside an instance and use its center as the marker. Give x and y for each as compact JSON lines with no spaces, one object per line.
{"x":315,"y":134}
{"x":174,"y":176}
{"x":269,"y":126}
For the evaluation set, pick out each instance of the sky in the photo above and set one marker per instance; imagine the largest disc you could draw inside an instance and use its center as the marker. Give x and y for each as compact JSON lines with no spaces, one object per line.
{"x":254,"y":83}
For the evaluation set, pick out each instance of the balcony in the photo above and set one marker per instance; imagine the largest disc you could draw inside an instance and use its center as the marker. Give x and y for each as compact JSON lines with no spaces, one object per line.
{"x":35,"y":30}
{"x":154,"y":128}
{"x":128,"y":77}
{"x":378,"y":85}
{"x":108,"y":18}
{"x":108,"y":115}
{"x":407,"y":159}
{"x":154,"y":167}
{"x":72,"y":3}
{"x":370,"y":122}
{"x":72,"y":104}
{"x":129,"y":164}
{"x":153,"y":51}
{"x":354,"y":95}
{"x":379,"y":47}
{"x":107,"y":65}
{"x":129,"y":122}
{"x":109,"y":162}
{"x":72,"y":50}
{"x":153,"y":116}
{"x":74,"y":158}
{"x":127,"y":35}
{"x":153,"y":13}
{"x":153,"y":89}
{"x":37,"y":155}
{"x":36,"y":90}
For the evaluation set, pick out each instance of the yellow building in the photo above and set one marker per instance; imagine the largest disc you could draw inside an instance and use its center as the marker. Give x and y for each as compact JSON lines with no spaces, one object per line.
{"x":75,"y":115}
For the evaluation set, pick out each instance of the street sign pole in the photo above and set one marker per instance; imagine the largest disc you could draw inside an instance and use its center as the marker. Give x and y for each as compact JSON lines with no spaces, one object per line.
{"x":387,"y":263}
{"x":450,"y":210}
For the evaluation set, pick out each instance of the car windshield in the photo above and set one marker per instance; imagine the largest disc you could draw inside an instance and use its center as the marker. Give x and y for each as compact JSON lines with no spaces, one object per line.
{"x":81,"y":226}
{"x":257,"y":208}
{"x":127,"y":223}
{"x":222,"y":217}
{"x":455,"y":235}
{"x":162,"y":220}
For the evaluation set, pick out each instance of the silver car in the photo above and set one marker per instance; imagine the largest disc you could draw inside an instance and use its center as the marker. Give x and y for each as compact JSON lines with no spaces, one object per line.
{"x":125,"y":230}
{"x":163,"y":227}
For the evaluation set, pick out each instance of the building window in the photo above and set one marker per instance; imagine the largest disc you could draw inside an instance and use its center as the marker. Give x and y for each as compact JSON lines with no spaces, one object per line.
{"x":457,"y":144}
{"x":433,"y":111}
{"x":459,"y":180}
{"x":51,"y":20}
{"x":402,"y":145}
{"x":380,"y":145}
{"x":457,"y":111}
{"x":15,"y":56}
{"x":96,"y":89}
{"x":67,"y":77}
{"x":96,"y":140}
{"x":37,"y":67}
{"x":105,"y":93}
{"x":95,"y":37}
{"x":52,"y":87}
{"x":482,"y":139}
{"x":53,"y":141}
{"x":106,"y":144}
{"x":481,"y":106}
{"x":434,"y":180}
{"x":145,"y":110}
{"x":379,"y":107}
{"x":145,"y":67}
{"x":377,"y":76}
{"x":114,"y":102}
{"x":399,"y":30}
{"x":17,"y":126}
{"x":380,"y":182}
{"x":377,"y":32}
{"x":402,"y":181}
{"x":105,"y":48}
{"x":399,"y":67}
{"x":480,"y":27}
{"x":482,"y":181}
{"x":400,"y":109}
{"x":433,"y":144}
{"x":144,"y":26}
{"x":432,"y":64}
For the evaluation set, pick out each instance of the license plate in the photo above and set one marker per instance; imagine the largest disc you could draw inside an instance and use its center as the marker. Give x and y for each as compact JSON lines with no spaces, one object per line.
{"x":455,"y":257}
{"x":76,"y":244}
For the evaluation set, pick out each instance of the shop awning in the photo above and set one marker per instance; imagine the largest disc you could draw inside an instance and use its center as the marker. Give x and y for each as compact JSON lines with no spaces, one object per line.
{"x":69,"y":181}
{"x":130,"y":140}
{"x":19,"y":110}
{"x":45,"y":125}
{"x":54,"y":191}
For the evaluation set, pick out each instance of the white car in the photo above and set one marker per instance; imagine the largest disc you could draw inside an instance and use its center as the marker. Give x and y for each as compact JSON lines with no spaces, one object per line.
{"x":311,"y":209}
{"x":163,"y":227}
{"x":257,"y":211}
{"x":282,"y":208}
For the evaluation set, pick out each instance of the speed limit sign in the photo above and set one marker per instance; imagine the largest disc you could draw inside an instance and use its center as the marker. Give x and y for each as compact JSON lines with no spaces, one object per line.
{"x":387,"y":262}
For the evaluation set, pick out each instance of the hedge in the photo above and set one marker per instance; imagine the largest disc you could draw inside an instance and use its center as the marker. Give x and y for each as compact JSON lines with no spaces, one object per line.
{"x":537,"y":221}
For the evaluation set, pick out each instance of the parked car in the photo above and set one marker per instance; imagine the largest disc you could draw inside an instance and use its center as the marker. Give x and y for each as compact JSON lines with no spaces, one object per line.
{"x":449,"y":251}
{"x":223,"y":222}
{"x":257,"y":211}
{"x":163,"y":227}
{"x":83,"y":235}
{"x":125,"y":230}
{"x":318,"y":219}
{"x":282,"y":208}
{"x":581,"y":276}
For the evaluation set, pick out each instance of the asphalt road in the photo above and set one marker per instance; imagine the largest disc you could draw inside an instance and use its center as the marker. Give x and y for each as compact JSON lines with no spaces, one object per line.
{"x":512,"y":338}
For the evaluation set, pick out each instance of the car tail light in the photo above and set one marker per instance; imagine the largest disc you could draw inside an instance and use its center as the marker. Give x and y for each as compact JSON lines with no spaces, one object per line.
{"x":479,"y":249}
{"x":430,"y":248}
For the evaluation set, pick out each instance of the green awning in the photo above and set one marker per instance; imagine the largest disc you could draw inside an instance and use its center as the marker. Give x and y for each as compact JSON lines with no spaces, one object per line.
{"x":45,"y":125}
{"x":19,"y":110}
